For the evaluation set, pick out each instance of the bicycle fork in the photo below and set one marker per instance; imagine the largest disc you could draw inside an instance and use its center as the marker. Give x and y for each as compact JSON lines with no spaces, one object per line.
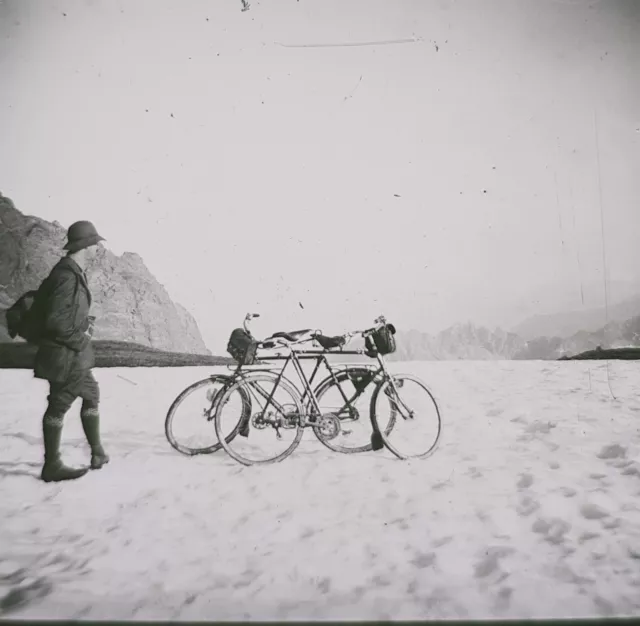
{"x":395,"y":399}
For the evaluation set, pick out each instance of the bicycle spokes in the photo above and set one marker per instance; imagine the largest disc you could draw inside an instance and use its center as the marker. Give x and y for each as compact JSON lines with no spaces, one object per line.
{"x":327,"y":426}
{"x":273,"y":427}
{"x":188,"y":426}
{"x":347,"y":396}
{"x":417,"y":433}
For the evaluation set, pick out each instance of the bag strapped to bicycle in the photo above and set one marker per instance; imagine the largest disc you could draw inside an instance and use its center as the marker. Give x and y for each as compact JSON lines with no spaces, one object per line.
{"x":242,"y":347}
{"x":381,"y":341}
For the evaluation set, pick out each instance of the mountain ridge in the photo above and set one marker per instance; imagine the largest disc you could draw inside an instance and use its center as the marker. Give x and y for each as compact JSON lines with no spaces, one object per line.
{"x":128,"y":301}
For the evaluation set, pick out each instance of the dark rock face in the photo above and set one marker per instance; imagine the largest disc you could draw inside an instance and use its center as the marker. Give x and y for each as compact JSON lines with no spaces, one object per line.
{"x":129,"y":303}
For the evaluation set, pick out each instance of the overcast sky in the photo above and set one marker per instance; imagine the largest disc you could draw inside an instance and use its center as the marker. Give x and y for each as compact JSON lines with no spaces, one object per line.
{"x":255,"y":161}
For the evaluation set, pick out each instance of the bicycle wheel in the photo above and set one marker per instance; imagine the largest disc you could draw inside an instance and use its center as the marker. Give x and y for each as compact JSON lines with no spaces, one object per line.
{"x":406,"y":415}
{"x":188,"y":425}
{"x":349,"y":398}
{"x":273,"y":429}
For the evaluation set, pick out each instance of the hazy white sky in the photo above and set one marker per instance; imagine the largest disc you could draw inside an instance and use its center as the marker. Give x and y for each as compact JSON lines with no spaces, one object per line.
{"x":252,"y":173}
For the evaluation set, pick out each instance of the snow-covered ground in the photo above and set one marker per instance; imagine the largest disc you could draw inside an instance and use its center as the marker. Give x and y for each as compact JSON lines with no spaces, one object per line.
{"x":530,"y":508}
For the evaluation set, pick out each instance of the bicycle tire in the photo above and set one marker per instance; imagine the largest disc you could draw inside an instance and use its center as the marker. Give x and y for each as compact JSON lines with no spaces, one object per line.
{"x":322,"y":388}
{"x":171,"y":414}
{"x":247,"y":381}
{"x":397,"y":417}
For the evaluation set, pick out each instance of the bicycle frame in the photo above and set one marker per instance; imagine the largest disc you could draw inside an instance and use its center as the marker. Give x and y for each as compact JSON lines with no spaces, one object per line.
{"x":295,"y":357}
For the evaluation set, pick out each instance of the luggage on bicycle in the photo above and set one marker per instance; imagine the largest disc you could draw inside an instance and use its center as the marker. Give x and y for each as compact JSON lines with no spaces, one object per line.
{"x":381,"y":341}
{"x":242,"y":347}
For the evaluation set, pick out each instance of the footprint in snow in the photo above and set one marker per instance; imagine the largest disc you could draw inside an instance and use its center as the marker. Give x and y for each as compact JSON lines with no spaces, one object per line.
{"x":592,"y":511}
{"x":613,"y":451}
{"x":553,"y":530}
{"x":489,"y":563}
{"x":527,"y":506}
{"x":525,"y":481}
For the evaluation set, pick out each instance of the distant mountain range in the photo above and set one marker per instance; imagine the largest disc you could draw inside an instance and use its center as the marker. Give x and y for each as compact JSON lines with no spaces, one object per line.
{"x":567,"y":323}
{"x":545,"y":337}
{"x":461,"y":341}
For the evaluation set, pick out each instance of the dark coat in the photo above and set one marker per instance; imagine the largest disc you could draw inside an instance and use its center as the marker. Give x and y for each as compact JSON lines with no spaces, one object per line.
{"x":66,"y":347}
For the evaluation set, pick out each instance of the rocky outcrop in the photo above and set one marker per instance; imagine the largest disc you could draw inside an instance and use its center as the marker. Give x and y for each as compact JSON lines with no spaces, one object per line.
{"x":129,"y":303}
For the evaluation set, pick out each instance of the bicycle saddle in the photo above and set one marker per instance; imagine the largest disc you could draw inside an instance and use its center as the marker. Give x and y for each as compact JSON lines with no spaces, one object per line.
{"x":330,"y":342}
{"x":294,"y":335}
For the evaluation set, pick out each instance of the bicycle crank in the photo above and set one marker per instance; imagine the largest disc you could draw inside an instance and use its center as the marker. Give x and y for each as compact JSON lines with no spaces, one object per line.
{"x":259,"y":421}
{"x":328,"y":426}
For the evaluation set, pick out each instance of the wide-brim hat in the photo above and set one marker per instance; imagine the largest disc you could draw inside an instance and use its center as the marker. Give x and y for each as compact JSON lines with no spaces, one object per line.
{"x":82,"y":235}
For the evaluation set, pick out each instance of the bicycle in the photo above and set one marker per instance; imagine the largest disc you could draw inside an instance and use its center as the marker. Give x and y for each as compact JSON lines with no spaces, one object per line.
{"x":201,"y":410}
{"x":353,"y":438}
{"x":297,"y":411}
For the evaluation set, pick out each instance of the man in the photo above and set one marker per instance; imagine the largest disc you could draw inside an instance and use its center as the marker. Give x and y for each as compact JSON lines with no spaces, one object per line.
{"x":65,"y":356}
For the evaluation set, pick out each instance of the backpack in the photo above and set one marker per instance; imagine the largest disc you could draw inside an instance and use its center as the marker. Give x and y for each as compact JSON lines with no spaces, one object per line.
{"x":382,"y":341}
{"x":242,"y":347}
{"x":25,"y":318}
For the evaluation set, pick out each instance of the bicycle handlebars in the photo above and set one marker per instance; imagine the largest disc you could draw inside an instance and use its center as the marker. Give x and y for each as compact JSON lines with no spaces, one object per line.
{"x":247,"y":318}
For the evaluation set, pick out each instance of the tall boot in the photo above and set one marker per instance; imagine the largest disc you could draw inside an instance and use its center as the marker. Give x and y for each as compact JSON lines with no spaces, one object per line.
{"x":91,"y":425}
{"x":54,"y":470}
